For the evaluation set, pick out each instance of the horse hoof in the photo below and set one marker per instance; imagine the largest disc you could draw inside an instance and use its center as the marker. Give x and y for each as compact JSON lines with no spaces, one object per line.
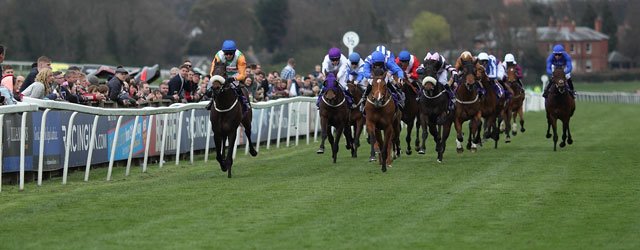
{"x":459,"y":150}
{"x":522,"y":130}
{"x":507,"y":141}
{"x":570,"y":141}
{"x":421,"y":152}
{"x":384,"y":169}
{"x":253,"y":152}
{"x":548,"y":136}
{"x":473,"y":150}
{"x":320,"y":151}
{"x":408,"y":152}
{"x":514,"y":133}
{"x":372,"y":158}
{"x":439,"y":160}
{"x":348,"y":146}
{"x":562,"y":144}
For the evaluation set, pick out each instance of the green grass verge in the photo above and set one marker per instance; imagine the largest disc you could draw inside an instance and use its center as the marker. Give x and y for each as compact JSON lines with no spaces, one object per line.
{"x":621,"y":86}
{"x":522,"y":195}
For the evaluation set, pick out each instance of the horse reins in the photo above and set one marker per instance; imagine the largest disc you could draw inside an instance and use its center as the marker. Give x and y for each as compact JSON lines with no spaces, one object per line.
{"x":331,"y":105}
{"x":224,"y":110}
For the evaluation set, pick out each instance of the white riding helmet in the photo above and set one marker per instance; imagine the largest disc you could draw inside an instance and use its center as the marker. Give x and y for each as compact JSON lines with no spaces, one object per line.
{"x":509,"y":58}
{"x":483,"y":56}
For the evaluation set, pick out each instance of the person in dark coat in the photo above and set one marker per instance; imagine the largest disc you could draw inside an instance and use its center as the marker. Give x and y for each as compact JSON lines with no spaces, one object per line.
{"x":179,"y":84}
{"x":43,"y":62}
{"x":116,"y":84}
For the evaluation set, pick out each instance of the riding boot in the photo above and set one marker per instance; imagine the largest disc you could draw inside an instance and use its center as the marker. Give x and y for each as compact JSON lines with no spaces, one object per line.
{"x":545,"y":93}
{"x":364,"y":96}
{"x":245,"y":102}
{"x":398,"y":92}
{"x":508,"y":90}
{"x":571,"y":89}
{"x":481,"y":90}
{"x":349,"y":97}
{"x":451,"y":97}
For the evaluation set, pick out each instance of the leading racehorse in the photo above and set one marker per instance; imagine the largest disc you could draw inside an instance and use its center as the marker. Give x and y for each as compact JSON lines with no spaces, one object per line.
{"x":559,"y":105}
{"x":356,"y":120}
{"x":382,"y":116}
{"x":225,"y":116}
{"x":410,"y":114}
{"x":467,"y":99}
{"x":334,"y":112}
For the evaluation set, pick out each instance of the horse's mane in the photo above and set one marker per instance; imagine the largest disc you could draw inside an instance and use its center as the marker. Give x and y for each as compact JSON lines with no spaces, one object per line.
{"x":219,"y":68}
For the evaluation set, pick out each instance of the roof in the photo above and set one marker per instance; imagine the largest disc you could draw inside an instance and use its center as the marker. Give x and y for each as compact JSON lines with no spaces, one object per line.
{"x":564,"y":34}
{"x":616,"y":56}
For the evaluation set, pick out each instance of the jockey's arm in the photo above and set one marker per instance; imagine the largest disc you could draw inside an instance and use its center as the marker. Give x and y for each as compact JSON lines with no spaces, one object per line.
{"x":550,"y":64}
{"x":242,"y":68}
{"x":414,"y":70}
{"x":395,"y":69}
{"x":213,"y":63}
{"x":568,"y":65}
{"x":325,"y":65}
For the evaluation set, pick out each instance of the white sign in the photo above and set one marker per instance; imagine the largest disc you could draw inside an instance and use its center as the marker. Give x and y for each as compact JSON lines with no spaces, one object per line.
{"x":351,"y":40}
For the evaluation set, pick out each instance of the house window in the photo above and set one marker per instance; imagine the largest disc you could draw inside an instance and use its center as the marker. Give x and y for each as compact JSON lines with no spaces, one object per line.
{"x":588,"y":48}
{"x":588,"y":66}
{"x":572,"y":48}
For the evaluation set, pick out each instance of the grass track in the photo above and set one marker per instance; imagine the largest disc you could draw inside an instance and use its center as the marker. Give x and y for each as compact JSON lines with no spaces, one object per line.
{"x":522,"y":195}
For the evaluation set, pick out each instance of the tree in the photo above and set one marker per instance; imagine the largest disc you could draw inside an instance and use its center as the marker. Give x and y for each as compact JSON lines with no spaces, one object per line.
{"x":588,"y":16}
{"x":272,"y":15}
{"x":609,"y":25}
{"x":430,"y":31}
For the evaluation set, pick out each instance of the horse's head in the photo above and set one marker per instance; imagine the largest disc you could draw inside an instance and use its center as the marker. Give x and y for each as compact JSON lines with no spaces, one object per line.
{"x":559,"y":79}
{"x":431,"y":66}
{"x":481,"y":74}
{"x":467,"y":66}
{"x":511,"y":73}
{"x":218,"y":80}
{"x":333,"y":92}
{"x":379,"y":94}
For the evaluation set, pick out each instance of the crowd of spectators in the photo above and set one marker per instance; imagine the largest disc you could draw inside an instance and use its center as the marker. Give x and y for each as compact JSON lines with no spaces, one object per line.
{"x":184,"y":85}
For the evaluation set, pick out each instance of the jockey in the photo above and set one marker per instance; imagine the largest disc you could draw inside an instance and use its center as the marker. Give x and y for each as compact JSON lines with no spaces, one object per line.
{"x":495,"y":73}
{"x":509,"y":60}
{"x":356,"y":70}
{"x":382,"y":57}
{"x":236,"y":67}
{"x":559,"y":58}
{"x":409,"y":64}
{"x":441,"y":75}
{"x":335,"y":62}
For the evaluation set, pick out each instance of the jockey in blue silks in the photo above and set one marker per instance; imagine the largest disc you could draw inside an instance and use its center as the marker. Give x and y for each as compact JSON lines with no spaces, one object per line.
{"x":336,"y":63}
{"x":355,"y":71}
{"x":494,"y":72}
{"x":382,"y":57}
{"x":559,"y":58}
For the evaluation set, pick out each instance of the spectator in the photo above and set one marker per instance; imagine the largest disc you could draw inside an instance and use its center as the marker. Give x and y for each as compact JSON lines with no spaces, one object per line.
{"x":6,"y":89}
{"x":158,"y":95}
{"x":173,"y":72}
{"x":307,"y":88}
{"x":288,"y":75}
{"x":41,"y":87}
{"x":201,"y":94}
{"x":16,"y":87}
{"x":280,"y":90}
{"x":261,"y":82}
{"x":145,"y":88}
{"x":251,"y":87}
{"x":164,"y":91}
{"x":318,"y":71}
{"x":116,"y":85}
{"x":69,"y":88}
{"x":178,"y":85}
{"x":3,"y":52}
{"x":42,"y":63}
{"x":7,"y":70}
{"x":93,"y":80}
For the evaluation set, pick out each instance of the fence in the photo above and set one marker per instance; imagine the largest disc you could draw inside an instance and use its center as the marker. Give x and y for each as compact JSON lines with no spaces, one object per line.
{"x":57,"y":135}
{"x":614,"y":97}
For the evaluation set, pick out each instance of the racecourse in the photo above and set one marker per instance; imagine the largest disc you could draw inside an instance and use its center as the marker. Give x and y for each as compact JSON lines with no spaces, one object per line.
{"x":522,"y":195}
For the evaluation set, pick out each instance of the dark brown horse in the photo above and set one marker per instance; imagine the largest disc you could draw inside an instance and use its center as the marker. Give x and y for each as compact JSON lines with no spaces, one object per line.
{"x":467,"y":101}
{"x":515,"y":106}
{"x":356,"y":121}
{"x":382,"y":116}
{"x":411,"y":112}
{"x":226,"y":115}
{"x":433,"y":106}
{"x":559,"y":105}
{"x":334,"y":112}
{"x":491,"y":106}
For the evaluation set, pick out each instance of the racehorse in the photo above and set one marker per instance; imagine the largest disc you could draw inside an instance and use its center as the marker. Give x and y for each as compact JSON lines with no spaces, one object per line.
{"x":515,"y":106}
{"x":491,"y":106}
{"x":356,"y":120}
{"x":467,"y":101}
{"x":433,"y":106}
{"x":382,"y":115}
{"x":410,"y":113}
{"x":334,"y":112}
{"x":225,"y":116}
{"x":559,"y":105}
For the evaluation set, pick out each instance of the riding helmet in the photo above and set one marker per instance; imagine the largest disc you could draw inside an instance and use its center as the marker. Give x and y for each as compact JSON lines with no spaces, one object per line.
{"x":354,"y":57}
{"x":404,"y":55}
{"x":229,"y":45}
{"x":558,"y":49}
{"x":483,"y":56}
{"x":334,"y":53}
{"x":509,"y":58}
{"x":377,"y":57}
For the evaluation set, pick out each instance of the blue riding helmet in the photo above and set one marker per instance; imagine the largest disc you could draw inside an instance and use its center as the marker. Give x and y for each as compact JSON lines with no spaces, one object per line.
{"x":558,"y":49}
{"x":354,"y":57}
{"x":334,"y":53}
{"x":377,"y":57}
{"x":229,"y":45}
{"x":404,"y":55}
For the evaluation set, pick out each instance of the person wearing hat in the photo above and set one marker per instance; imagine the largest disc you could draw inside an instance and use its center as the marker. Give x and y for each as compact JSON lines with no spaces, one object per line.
{"x":236,"y":64}
{"x":382,"y":57}
{"x":335,"y":62}
{"x":559,"y":58}
{"x":115,"y":85}
{"x":356,"y":70}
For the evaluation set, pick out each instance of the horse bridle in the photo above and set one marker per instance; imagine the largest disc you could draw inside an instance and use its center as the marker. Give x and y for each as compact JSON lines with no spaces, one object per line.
{"x":344,"y":98}
{"x":386,"y":94}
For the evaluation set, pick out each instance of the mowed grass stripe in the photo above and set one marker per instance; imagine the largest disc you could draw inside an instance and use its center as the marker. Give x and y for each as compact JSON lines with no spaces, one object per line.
{"x":521,"y":195}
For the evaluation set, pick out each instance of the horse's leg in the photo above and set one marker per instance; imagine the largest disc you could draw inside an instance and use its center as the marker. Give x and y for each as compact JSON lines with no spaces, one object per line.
{"x":418,"y":125}
{"x":388,"y":145}
{"x":521,"y":113}
{"x":372,"y":141}
{"x":446,"y":130}
{"x":217,"y":138}
{"x":424,"y":120}
{"x":324,"y":126}
{"x":408,"y":137}
{"x":229,"y":161}
{"x":336,"y":143}
{"x":565,"y":127}
{"x":433,"y":130}
{"x":475,"y":128}
{"x":495,"y":132}
{"x":548,"y":125}
{"x":330,"y":136}
{"x":383,"y":153}
{"x":347,"y":135}
{"x":569,"y":139}
{"x":459,"y":136}
{"x":555,"y":132}
{"x":396,"y":137}
{"x":507,"y":123}
{"x":246,"y":123}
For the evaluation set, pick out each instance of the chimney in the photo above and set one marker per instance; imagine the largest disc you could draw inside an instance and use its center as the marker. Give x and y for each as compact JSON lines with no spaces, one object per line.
{"x":572,"y":26}
{"x":598,"y":24}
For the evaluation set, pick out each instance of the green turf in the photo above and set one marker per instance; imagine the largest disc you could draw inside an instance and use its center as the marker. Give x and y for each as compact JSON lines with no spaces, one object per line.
{"x":522,"y":195}
{"x":621,"y":86}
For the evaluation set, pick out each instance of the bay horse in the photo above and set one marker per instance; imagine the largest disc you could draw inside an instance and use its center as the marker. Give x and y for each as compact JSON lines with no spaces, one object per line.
{"x":382,"y":116}
{"x":433,"y":106}
{"x":410,"y":113}
{"x":515,"y":106}
{"x":559,"y":105}
{"x":491,"y":106}
{"x":356,"y":120}
{"x":225,"y":116}
{"x":467,"y":97}
{"x":334,"y":112}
